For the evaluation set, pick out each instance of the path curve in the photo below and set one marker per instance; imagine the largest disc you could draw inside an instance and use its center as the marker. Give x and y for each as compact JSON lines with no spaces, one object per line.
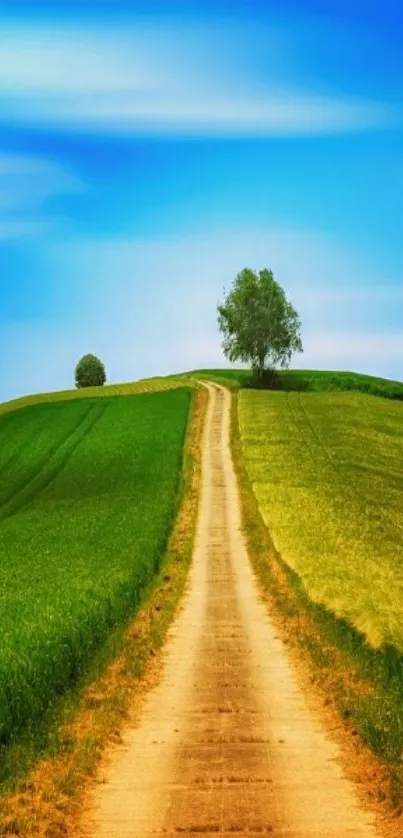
{"x":226,"y":743}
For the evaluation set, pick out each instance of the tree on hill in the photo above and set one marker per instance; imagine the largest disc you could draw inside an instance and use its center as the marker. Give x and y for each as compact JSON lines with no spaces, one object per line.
{"x":259,"y":325}
{"x":90,"y":372}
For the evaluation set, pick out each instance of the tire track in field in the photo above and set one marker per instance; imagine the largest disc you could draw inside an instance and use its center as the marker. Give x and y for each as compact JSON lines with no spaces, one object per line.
{"x":300,"y":420}
{"x":42,"y":460}
{"x":335,"y":465}
{"x":57,"y":459}
{"x":24,"y":446}
{"x":226,"y":743}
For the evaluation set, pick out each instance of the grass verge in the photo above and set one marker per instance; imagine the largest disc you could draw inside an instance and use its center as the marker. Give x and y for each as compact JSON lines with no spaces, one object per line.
{"x":363,"y":686}
{"x":47,"y":802}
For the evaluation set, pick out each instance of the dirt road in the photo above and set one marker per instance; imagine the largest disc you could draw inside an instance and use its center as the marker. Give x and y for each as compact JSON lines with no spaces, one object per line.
{"x":226,"y":743}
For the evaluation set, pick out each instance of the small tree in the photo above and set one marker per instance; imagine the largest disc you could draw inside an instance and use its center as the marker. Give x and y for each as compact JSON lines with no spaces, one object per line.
{"x":258,"y":323}
{"x":90,"y":372}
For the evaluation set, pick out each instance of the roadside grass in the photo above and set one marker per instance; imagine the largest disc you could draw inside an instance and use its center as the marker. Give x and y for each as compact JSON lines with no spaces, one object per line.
{"x":305,"y":381}
{"x":319,"y":483}
{"x":49,"y":800}
{"x":89,"y":492}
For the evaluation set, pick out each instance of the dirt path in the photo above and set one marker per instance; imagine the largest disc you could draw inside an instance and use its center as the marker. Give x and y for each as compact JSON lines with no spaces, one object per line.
{"x":226,"y":743}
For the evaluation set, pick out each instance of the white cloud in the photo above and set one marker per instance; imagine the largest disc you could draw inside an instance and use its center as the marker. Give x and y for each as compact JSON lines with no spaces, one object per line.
{"x":374,"y":352}
{"x":51,"y":60}
{"x":372,"y":349}
{"x":177,"y":111}
{"x":152,"y":79}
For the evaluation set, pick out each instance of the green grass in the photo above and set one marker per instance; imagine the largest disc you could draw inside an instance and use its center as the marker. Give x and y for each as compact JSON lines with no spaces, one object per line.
{"x":322,"y":380}
{"x":145,"y":385}
{"x":307,"y":381}
{"x":88,"y":494}
{"x":234,"y":379}
{"x":327,"y":471}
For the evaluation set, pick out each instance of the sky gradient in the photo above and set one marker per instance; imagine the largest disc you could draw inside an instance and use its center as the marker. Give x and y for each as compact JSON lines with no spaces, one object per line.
{"x":147,"y":157}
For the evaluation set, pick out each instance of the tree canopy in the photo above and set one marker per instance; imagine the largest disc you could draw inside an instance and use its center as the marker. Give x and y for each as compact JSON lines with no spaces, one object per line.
{"x":90,"y":372}
{"x":258,"y":323}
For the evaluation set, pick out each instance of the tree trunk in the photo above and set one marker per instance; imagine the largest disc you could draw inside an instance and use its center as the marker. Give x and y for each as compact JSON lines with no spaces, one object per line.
{"x":260,"y":370}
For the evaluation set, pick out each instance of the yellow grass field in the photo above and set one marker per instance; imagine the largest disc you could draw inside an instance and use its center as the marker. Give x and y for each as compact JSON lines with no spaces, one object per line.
{"x":327,"y":472}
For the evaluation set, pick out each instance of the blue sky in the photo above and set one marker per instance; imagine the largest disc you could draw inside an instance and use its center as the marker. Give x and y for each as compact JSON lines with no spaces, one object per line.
{"x":149,"y":151}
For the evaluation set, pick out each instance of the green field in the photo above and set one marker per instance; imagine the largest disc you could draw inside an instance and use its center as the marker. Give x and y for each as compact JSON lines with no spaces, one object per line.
{"x":327,"y":471}
{"x":131,"y":388}
{"x":88,"y":492}
{"x":307,"y":381}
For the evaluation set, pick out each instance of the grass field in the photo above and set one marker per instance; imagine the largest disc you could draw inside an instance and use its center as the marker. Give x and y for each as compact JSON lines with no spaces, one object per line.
{"x":308,"y":381}
{"x":327,"y":471}
{"x":234,"y":379}
{"x":131,"y":388}
{"x":88,"y":492}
